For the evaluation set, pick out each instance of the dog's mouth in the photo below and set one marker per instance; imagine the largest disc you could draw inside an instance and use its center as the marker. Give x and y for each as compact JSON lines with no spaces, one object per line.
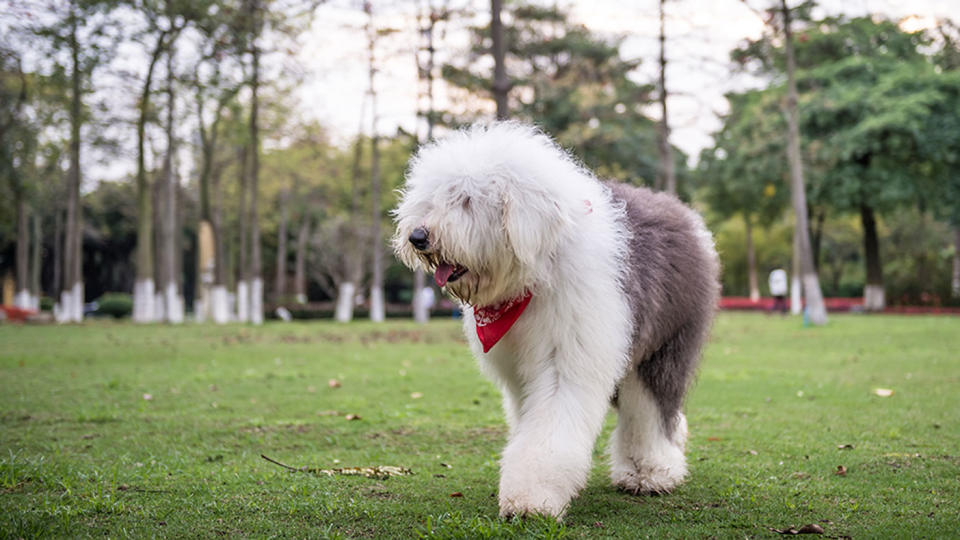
{"x":448,"y":273}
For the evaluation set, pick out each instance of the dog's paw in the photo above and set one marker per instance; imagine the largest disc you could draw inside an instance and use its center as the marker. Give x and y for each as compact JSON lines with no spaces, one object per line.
{"x":517,"y":505}
{"x":649,"y":480}
{"x":523,"y":495}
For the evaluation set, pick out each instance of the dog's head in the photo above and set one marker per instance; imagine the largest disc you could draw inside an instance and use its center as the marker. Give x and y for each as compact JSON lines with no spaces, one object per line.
{"x":484,"y":210}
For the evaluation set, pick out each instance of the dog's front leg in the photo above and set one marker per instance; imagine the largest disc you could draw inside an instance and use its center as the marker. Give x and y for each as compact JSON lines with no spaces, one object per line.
{"x":548,"y":454}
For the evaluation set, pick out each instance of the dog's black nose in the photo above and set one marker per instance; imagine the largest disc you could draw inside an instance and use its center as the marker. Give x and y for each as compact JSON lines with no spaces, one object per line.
{"x":419,"y":238}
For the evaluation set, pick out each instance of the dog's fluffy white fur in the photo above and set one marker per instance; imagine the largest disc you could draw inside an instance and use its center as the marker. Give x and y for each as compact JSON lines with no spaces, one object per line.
{"x":624,"y":284}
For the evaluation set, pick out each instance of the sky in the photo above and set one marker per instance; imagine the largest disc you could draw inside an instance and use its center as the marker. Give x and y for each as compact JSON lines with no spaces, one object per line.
{"x":700,"y":35}
{"x":332,"y":79}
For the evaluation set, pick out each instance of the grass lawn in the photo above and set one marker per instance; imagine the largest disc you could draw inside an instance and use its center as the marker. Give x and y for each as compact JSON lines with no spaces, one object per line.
{"x":122,"y":430}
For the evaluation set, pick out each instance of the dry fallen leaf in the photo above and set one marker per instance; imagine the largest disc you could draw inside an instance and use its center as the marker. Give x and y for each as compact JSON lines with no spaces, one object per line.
{"x":845,"y":447}
{"x":416,"y":395}
{"x":883,"y":392}
{"x":353,"y":417}
{"x":456,"y":494}
{"x":380,"y":472}
{"x":333,"y":383}
{"x":811,"y":528}
{"x":752,"y":452}
{"x":148,"y":397}
{"x":841,"y":471}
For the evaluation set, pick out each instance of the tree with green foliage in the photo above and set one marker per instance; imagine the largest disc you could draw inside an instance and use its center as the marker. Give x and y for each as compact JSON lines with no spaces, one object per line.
{"x":574,"y":84}
{"x":18,"y":142}
{"x":80,"y":37}
{"x":744,"y":173}
{"x":164,"y":22}
{"x":869,"y":95}
{"x":215,"y":82}
{"x":866,"y":91}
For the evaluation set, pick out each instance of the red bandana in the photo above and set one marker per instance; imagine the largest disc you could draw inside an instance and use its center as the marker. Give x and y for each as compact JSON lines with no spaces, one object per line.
{"x":493,"y":322}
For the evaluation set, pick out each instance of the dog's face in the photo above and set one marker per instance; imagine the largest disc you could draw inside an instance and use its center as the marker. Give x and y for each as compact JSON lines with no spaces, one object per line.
{"x":484,"y":239}
{"x":485,"y":210}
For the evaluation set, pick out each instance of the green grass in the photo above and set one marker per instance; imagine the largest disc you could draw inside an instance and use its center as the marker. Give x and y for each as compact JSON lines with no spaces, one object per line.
{"x":83,"y":453}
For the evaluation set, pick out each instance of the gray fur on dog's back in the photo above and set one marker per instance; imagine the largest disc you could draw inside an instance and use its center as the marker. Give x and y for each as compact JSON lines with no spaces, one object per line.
{"x":672,"y":283}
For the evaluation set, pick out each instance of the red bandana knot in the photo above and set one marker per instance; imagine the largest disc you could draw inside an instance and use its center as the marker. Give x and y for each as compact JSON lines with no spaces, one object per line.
{"x":493,"y":322}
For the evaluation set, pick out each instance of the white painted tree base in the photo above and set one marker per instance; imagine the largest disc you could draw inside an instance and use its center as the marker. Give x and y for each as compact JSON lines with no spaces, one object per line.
{"x":421,"y":307}
{"x":256,"y":301}
{"x":377,"y":313}
{"x":874,"y":298}
{"x":344,"y":311}
{"x":143,"y":297}
{"x":243,"y":301}
{"x":219,"y":304}
{"x":23,"y":299}
{"x":159,"y":307}
{"x":173,"y":304}
{"x":301,"y":298}
{"x":70,"y":308}
{"x":796,"y":296}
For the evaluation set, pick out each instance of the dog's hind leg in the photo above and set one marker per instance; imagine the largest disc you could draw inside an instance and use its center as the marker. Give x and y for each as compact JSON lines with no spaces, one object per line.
{"x":647,"y":447}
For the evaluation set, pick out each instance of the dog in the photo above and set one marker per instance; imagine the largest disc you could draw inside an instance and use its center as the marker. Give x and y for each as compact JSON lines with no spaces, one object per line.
{"x":575,"y":294}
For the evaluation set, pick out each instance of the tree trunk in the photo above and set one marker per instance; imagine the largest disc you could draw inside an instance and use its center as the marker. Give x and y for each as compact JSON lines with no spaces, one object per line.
{"x":300,"y":272}
{"x":219,"y":296}
{"x":22,"y":295}
{"x":172,"y":301}
{"x":873,"y":293}
{"x":501,"y":85}
{"x":143,"y":288}
{"x":377,"y":310}
{"x":751,"y":260}
{"x":256,"y":278}
{"x":280,"y":280}
{"x":796,"y":286}
{"x":71,"y":298}
{"x":58,"y":244}
{"x":419,"y":300}
{"x":243,"y":291}
{"x":817,"y":237}
{"x":815,"y":307}
{"x":159,"y":268}
{"x":346,"y":290}
{"x":955,"y":282}
{"x":36,"y":258}
{"x":668,"y":177}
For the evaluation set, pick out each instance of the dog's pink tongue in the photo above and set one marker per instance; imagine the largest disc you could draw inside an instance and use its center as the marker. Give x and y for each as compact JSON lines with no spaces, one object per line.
{"x":444,"y":270}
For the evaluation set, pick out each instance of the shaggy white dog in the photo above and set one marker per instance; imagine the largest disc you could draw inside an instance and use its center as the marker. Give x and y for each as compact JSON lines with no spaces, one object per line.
{"x":575,"y":294}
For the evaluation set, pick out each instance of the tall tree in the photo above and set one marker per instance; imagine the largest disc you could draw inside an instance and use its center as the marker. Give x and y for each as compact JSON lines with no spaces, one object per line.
{"x":17,"y":144}
{"x":215,"y":89}
{"x":82,"y":32}
{"x":667,"y":177}
{"x":165,"y":20}
{"x":500,"y":84}
{"x":169,"y":285}
{"x":254,"y":274}
{"x":744,"y":172}
{"x":377,"y":307}
{"x":816,"y":308}
{"x":571,"y":82}
{"x":429,"y":19}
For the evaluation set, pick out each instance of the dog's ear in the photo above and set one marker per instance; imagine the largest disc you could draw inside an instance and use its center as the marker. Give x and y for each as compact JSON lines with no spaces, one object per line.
{"x":534,"y":222}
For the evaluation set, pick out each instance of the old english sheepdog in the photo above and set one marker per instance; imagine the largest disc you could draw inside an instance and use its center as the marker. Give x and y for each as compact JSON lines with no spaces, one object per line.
{"x":576,"y":294}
